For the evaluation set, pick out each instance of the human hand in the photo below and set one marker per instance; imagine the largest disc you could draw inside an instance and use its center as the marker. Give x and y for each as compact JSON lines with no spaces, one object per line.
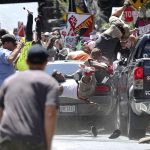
{"x":99,"y":65}
{"x":20,"y":45}
{"x":87,"y":71}
{"x":110,"y":70}
{"x":135,"y":32}
{"x":127,"y":3}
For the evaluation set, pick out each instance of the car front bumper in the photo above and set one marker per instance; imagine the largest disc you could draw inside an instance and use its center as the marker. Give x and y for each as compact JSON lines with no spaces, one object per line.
{"x":141,"y":108}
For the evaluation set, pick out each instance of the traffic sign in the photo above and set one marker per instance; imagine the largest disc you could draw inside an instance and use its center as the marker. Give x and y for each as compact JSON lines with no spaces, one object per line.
{"x":128,"y":14}
{"x":137,"y":3}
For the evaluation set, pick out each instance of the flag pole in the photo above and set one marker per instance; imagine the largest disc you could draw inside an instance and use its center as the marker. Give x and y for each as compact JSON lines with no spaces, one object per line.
{"x":72,"y":6}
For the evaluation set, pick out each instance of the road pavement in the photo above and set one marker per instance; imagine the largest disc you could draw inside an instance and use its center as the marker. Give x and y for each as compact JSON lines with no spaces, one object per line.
{"x":101,"y":142}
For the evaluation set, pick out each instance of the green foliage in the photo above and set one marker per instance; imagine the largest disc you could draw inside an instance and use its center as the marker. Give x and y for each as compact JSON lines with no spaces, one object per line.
{"x":148,"y":5}
{"x":58,"y":8}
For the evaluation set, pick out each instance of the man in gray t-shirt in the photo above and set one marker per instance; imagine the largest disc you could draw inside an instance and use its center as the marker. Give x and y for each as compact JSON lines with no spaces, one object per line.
{"x":29,"y":102}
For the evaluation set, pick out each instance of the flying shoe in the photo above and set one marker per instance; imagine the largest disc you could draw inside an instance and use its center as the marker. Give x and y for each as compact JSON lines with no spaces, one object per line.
{"x":94,"y":131}
{"x":115,"y":134}
{"x":144,"y":140}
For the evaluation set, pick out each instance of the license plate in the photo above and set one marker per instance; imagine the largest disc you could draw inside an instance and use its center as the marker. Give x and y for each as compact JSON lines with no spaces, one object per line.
{"x":67,"y":108}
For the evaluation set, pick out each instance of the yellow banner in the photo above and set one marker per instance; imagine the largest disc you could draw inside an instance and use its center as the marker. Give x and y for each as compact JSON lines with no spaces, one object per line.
{"x":21,"y":64}
{"x":79,"y":11}
{"x":138,"y":3}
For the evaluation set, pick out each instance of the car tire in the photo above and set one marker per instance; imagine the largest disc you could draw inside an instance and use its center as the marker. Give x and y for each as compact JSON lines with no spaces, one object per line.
{"x":133,"y":121}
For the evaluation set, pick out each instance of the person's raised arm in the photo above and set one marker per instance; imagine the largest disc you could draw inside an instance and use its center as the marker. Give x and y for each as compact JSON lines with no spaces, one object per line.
{"x":51,"y":42}
{"x":29,"y":33}
{"x":38,"y":28}
{"x":12,"y":57}
{"x":119,"y":11}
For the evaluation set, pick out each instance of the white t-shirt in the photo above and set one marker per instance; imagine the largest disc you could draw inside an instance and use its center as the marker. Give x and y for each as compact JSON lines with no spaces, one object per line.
{"x":70,"y":89}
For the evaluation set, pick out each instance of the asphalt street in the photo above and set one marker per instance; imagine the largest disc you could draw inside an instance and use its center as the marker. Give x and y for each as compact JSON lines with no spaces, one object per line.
{"x":72,"y":134}
{"x":101,"y":142}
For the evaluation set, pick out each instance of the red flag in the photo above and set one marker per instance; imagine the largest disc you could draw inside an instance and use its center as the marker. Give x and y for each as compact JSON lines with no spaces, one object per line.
{"x":21,"y":30}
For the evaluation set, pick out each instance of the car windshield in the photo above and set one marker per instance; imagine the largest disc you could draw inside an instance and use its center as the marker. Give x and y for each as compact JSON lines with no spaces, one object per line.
{"x":64,"y":68}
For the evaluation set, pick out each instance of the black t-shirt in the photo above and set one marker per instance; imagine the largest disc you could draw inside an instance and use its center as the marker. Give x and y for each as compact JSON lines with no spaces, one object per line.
{"x":24,"y":96}
{"x":109,"y":46}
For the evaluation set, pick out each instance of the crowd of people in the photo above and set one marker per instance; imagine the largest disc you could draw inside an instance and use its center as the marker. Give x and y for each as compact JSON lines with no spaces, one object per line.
{"x":29,"y":99}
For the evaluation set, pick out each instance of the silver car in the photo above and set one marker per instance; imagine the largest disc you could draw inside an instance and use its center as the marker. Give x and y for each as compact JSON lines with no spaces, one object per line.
{"x":104,"y":98}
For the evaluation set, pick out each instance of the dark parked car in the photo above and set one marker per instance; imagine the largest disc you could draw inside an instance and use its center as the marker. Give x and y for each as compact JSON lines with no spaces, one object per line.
{"x":133,"y":100}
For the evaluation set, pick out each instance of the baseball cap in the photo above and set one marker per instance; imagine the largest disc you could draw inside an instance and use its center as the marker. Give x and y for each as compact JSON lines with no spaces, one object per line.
{"x":8,"y":38}
{"x":37,"y":54}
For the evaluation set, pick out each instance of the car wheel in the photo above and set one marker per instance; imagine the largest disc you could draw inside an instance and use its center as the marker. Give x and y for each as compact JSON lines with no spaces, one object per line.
{"x":133,"y":121}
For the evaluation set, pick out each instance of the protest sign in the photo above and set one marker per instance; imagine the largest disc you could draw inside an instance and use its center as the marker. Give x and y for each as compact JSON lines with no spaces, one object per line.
{"x":70,"y":42}
{"x":144,"y":29}
{"x":74,"y":43}
{"x":81,"y":24}
{"x":128,"y":14}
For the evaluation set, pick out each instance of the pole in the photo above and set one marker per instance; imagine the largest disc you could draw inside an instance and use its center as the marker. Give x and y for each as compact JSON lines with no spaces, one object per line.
{"x":72,"y":6}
